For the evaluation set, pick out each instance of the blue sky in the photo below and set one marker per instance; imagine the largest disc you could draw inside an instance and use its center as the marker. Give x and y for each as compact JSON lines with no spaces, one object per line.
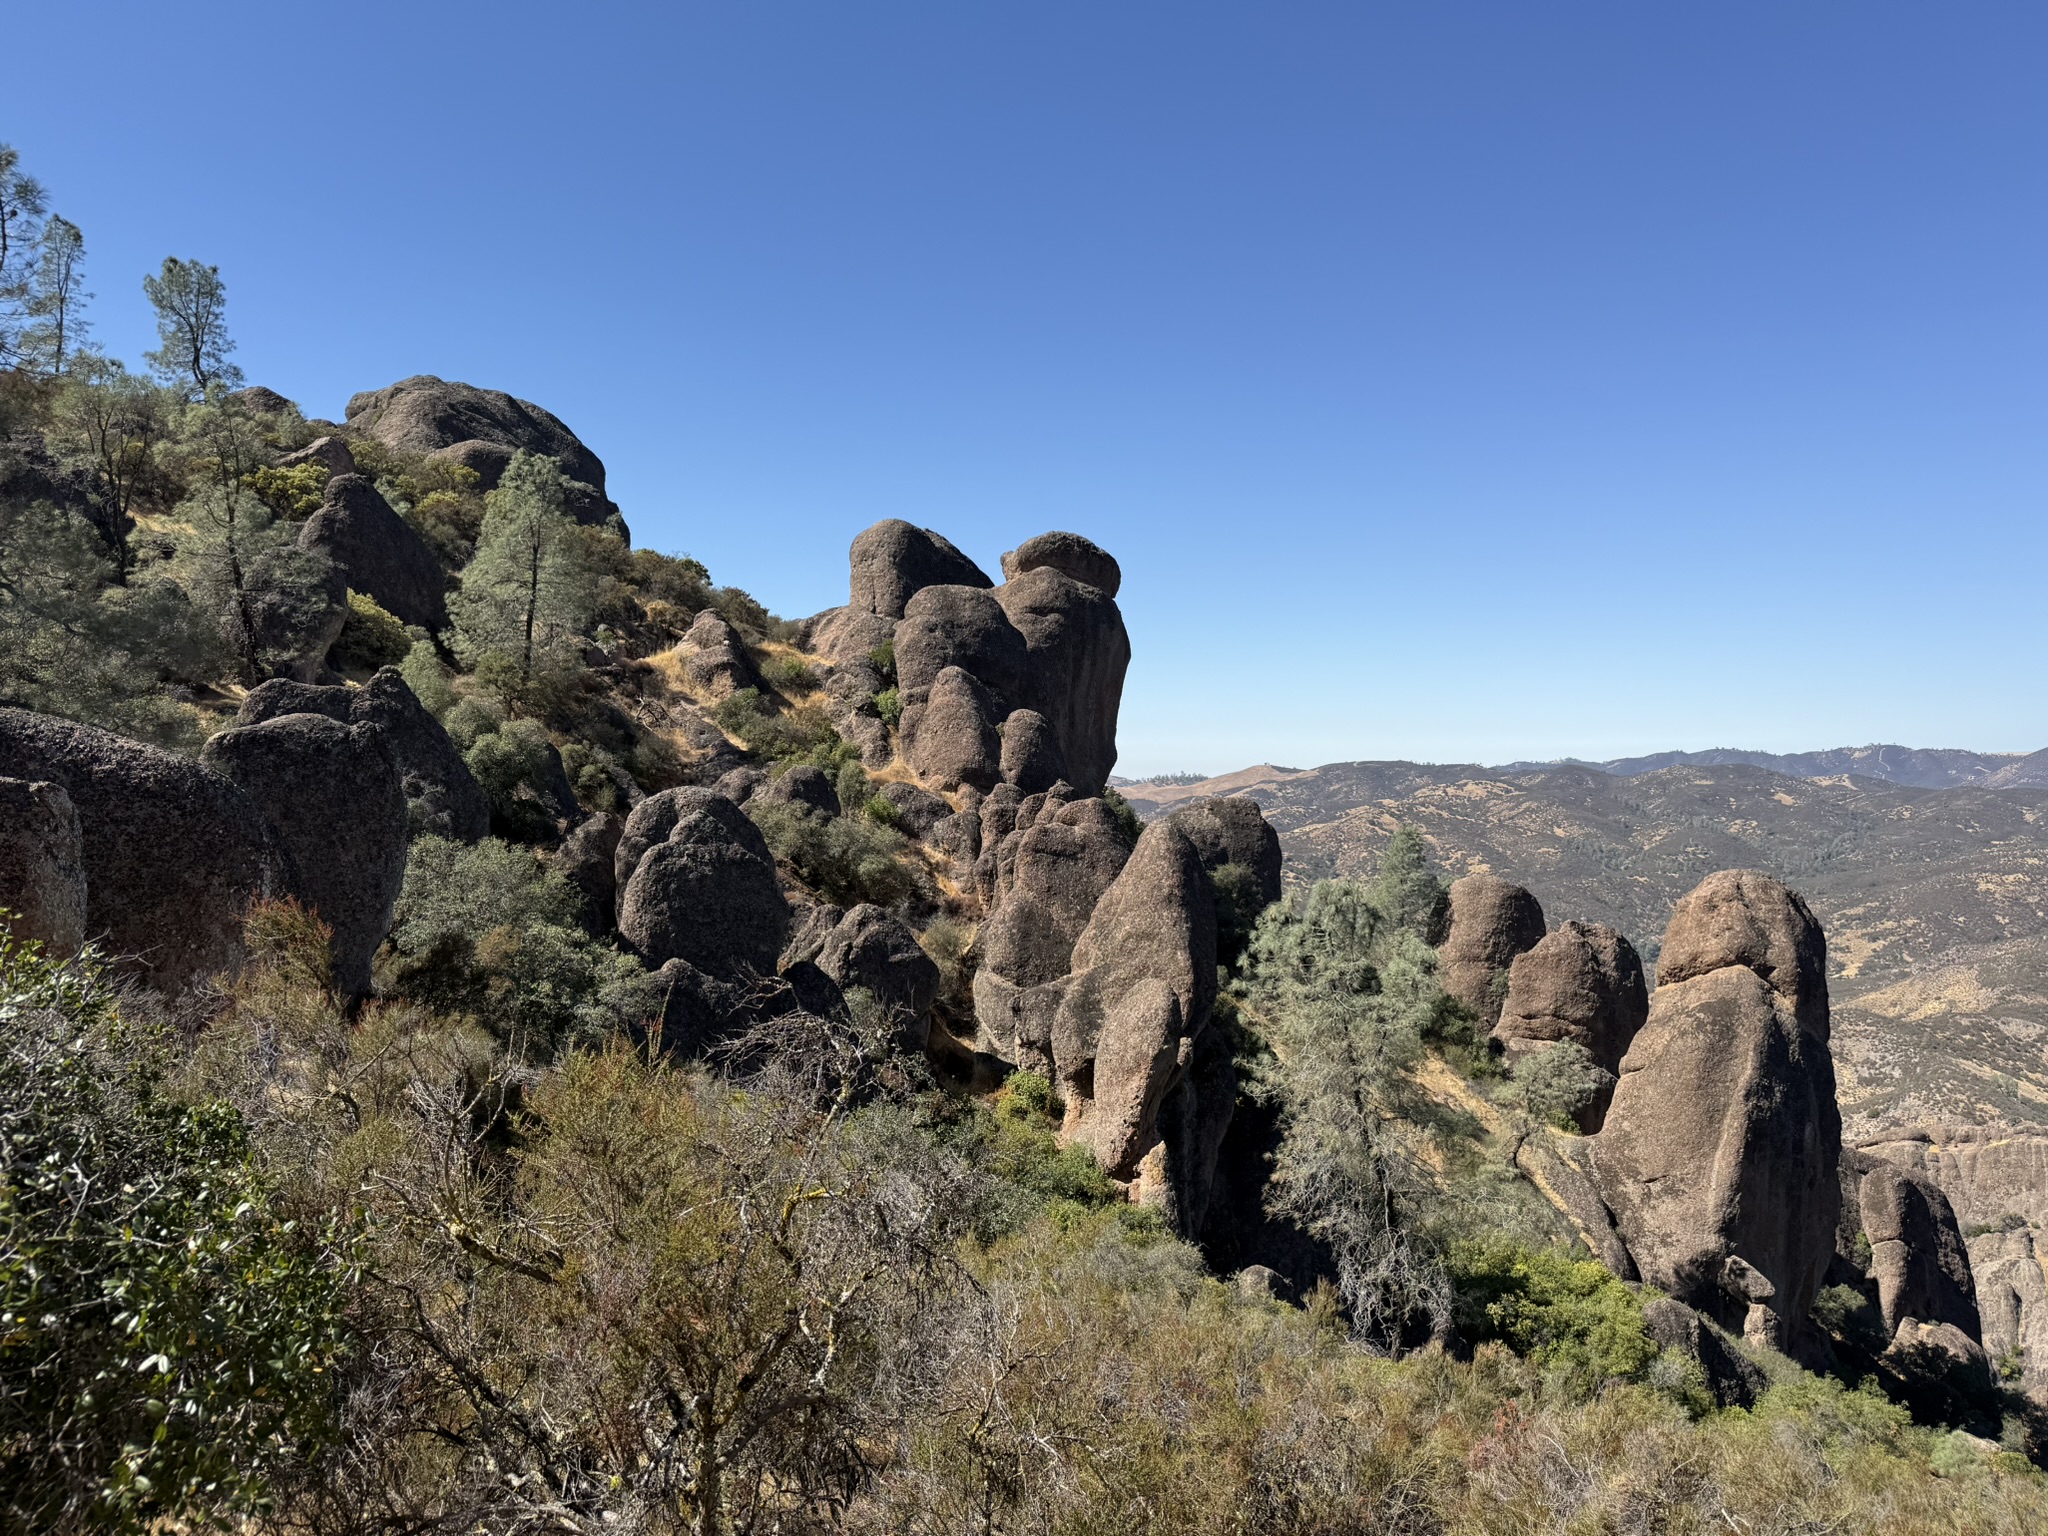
{"x":1453,"y":381}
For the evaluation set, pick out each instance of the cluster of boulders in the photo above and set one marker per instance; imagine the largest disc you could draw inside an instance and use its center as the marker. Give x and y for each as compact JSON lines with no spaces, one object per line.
{"x":1015,"y":684}
{"x":313,"y":794}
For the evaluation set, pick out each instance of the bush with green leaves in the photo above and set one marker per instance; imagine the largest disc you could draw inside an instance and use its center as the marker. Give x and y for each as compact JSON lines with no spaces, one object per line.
{"x":799,"y":734}
{"x":1552,"y":1085}
{"x":889,"y":705}
{"x":845,"y":859}
{"x":1568,"y":1314}
{"x":168,"y":1345}
{"x":515,"y":767}
{"x":370,"y":637}
{"x":489,"y":933}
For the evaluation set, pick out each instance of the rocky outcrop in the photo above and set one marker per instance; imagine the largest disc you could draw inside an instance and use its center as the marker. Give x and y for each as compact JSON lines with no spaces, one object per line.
{"x":587,"y":860}
{"x":173,"y":853}
{"x":951,"y":738}
{"x":1917,"y":1255}
{"x":1231,"y":830}
{"x":427,"y":415}
{"x":2009,"y":1270}
{"x":42,"y":866}
{"x":1491,"y":922}
{"x":332,"y":793}
{"x":715,"y":659}
{"x":805,"y":786}
{"x":291,"y":621}
{"x":375,"y":552}
{"x":1069,"y":554}
{"x":964,"y":627}
{"x":1718,"y":1155}
{"x":894,"y":561}
{"x":442,"y":796}
{"x":1076,"y":652}
{"x":1581,"y":982}
{"x":330,"y":453}
{"x":698,"y":884}
{"x":917,"y":810}
{"x":1031,"y":757}
{"x":1141,"y":988}
{"x":1734,"y":1379}
{"x":876,"y":952}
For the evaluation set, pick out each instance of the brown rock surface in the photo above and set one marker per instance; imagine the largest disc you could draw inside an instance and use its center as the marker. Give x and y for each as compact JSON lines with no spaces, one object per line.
{"x":1718,"y":1155}
{"x":894,"y":560}
{"x":42,"y":865}
{"x":1031,"y":757}
{"x":1917,"y":1254}
{"x":715,"y":659}
{"x":953,"y":741}
{"x":1071,"y":555}
{"x":1491,"y":922}
{"x":1745,"y":917}
{"x":1077,"y":652}
{"x":1230,"y":829}
{"x":1581,"y":982}
{"x":376,"y":552}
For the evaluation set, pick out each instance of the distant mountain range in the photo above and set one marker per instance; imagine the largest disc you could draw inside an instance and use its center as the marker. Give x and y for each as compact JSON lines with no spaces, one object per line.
{"x":1932,"y":886}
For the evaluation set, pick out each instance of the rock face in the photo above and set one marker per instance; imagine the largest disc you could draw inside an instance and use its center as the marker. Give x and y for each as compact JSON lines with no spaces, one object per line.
{"x":963,"y":627}
{"x":330,"y":453}
{"x":377,"y":553}
{"x":1071,"y":555}
{"x":701,"y":885}
{"x":586,"y":859}
{"x":806,"y":786}
{"x":442,"y":796}
{"x":173,"y":853}
{"x":894,"y":560}
{"x":1491,"y":923}
{"x":952,"y":738}
{"x":875,"y":951}
{"x":1031,"y":757}
{"x":1077,"y":652}
{"x":1917,"y":1254}
{"x":42,"y":865}
{"x":1229,"y":829}
{"x":1582,"y":982}
{"x":2010,"y":1271}
{"x":1142,"y":985}
{"x":333,"y":794}
{"x":424,"y":414}
{"x":715,"y":659}
{"x":1719,"y":1152}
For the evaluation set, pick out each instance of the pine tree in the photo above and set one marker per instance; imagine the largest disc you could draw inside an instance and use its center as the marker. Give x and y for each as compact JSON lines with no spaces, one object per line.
{"x":22,"y":206}
{"x":191,"y":319}
{"x":530,"y":590}
{"x":1406,"y":890}
{"x":56,"y":328}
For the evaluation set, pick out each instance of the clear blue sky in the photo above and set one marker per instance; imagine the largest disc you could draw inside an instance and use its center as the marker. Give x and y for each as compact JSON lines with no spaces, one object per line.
{"x":1453,"y":381}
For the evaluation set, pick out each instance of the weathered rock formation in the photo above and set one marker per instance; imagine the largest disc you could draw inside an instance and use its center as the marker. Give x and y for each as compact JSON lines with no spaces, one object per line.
{"x":1031,"y":757}
{"x":715,"y":660}
{"x":1491,"y":922}
{"x":480,"y":429}
{"x":375,"y":552}
{"x":333,"y":794}
{"x":442,"y":796}
{"x":330,"y":453}
{"x":950,"y":736}
{"x":1231,"y":830}
{"x":698,"y":884}
{"x":1718,"y":1155}
{"x":805,"y":786}
{"x":173,"y":852}
{"x":42,"y":865}
{"x":1917,"y":1255}
{"x":587,"y":860}
{"x":1581,"y":982}
{"x":875,"y":951}
{"x":1071,"y":555}
{"x":1077,"y":652}
{"x":893,"y":561}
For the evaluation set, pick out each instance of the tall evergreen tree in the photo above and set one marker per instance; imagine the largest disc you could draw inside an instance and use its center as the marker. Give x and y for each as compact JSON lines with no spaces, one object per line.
{"x":111,"y":422}
{"x":191,"y":320}
{"x":56,"y":328}
{"x":530,"y":590}
{"x":22,"y":206}
{"x":1407,"y":891}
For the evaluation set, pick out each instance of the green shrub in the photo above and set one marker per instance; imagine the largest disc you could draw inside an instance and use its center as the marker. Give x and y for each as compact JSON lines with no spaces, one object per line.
{"x":802,"y":734}
{"x":883,"y":658}
{"x":427,"y":678}
{"x":845,"y":859}
{"x":168,"y":1346}
{"x":790,"y":675}
{"x":1570,"y":1316}
{"x":290,"y":493}
{"x":370,"y":638}
{"x":1552,"y":1085}
{"x":1128,"y":826}
{"x":514,"y":766}
{"x":855,"y":792}
{"x":889,"y":705}
{"x":490,"y":933}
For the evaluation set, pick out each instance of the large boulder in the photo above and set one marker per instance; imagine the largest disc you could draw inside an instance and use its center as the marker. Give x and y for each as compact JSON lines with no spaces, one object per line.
{"x":442,"y":796}
{"x":1917,"y":1254}
{"x":292,"y":622}
{"x":2009,"y":1269}
{"x":1071,"y":555}
{"x":1581,"y":982}
{"x":1747,"y":918}
{"x":959,"y":626}
{"x":1719,"y":1152}
{"x":1141,"y":989}
{"x":805,"y":786}
{"x":1076,"y":654}
{"x":42,"y":865}
{"x":877,"y":952}
{"x":1031,"y":757}
{"x":1230,"y":829}
{"x":706,"y":892}
{"x":330,"y":453}
{"x":715,"y":659}
{"x":952,"y":740}
{"x":173,"y":852}
{"x":375,"y":552}
{"x":1491,"y":922}
{"x":334,"y":796}
{"x":894,"y":560}
{"x":424,"y":414}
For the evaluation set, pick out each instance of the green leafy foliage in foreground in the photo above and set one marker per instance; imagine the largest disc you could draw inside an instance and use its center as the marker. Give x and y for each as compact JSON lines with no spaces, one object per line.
{"x":168,"y":1343}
